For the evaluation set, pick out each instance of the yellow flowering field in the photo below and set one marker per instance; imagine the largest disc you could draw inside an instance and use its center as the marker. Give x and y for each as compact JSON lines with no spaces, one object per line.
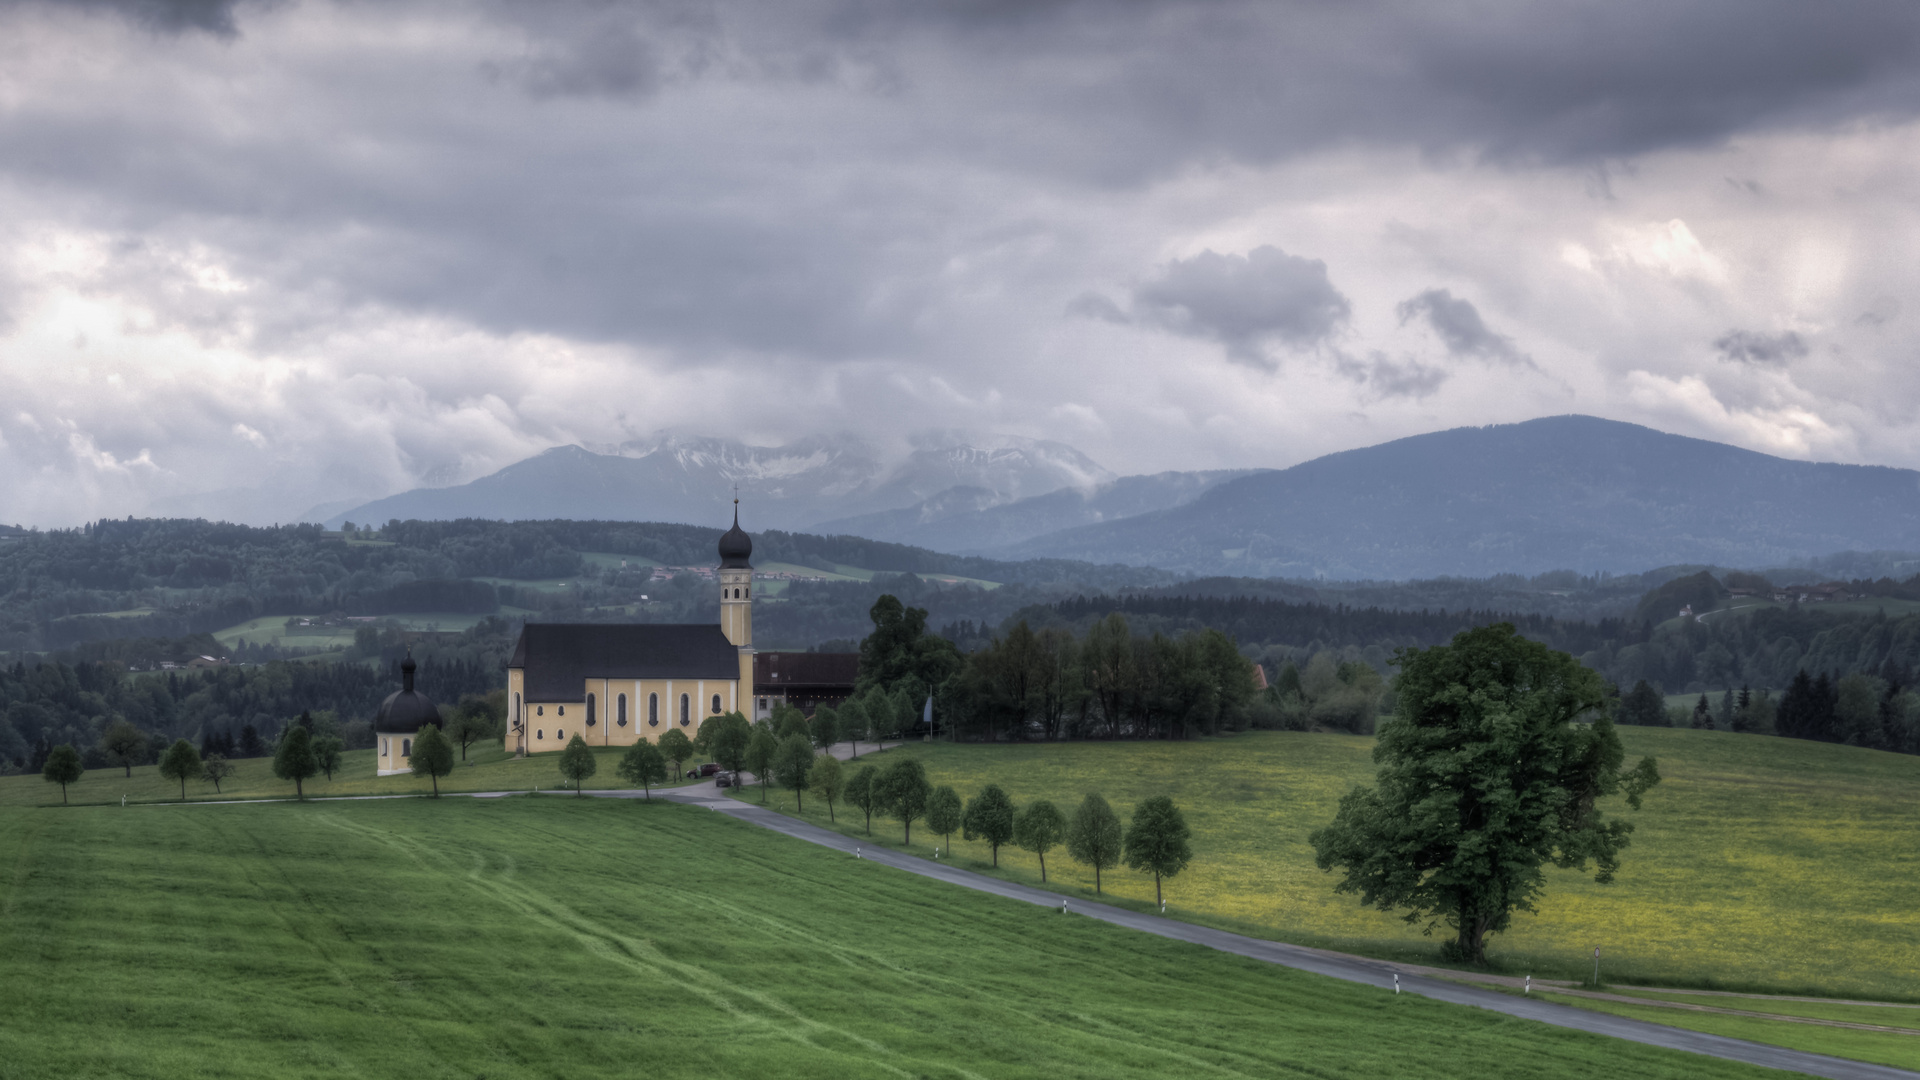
{"x":1758,"y":863}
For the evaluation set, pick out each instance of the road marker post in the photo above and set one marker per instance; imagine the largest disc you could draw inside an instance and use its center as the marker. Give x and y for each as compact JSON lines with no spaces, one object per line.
{"x":1396,"y":982}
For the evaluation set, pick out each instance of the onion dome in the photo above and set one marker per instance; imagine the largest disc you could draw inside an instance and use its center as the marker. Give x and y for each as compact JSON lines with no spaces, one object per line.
{"x":407,"y":710}
{"x":735,"y":545}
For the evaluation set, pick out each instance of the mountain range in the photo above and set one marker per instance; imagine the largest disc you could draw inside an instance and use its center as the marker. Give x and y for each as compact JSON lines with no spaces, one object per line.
{"x":692,"y":480}
{"x":1564,"y":492}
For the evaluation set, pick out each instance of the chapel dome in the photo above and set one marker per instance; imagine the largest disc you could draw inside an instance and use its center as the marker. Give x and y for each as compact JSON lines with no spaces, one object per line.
{"x":736,"y":547}
{"x":406,"y":710}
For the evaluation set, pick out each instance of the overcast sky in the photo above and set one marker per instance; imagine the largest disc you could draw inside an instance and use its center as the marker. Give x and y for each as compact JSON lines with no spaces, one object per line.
{"x":335,"y":250}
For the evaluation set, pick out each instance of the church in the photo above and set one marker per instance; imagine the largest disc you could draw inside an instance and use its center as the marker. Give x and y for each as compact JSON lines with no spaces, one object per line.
{"x":615,"y":684}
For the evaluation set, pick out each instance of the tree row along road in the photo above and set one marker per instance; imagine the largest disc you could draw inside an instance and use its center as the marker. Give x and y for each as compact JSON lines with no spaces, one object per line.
{"x":1334,"y":965}
{"x":1359,"y":969}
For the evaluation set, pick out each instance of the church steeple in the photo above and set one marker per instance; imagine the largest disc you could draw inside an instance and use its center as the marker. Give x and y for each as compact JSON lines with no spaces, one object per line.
{"x":736,"y":583}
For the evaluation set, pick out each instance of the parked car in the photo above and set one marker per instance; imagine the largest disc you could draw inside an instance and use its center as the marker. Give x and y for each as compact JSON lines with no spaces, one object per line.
{"x":708,"y":769}
{"x":725,"y":779}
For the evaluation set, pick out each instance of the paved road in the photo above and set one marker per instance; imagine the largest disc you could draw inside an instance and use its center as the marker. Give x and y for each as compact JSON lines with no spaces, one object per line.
{"x":1336,"y":965}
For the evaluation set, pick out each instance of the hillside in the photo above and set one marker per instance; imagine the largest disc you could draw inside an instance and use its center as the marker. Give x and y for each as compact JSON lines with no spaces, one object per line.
{"x":1561,"y":492}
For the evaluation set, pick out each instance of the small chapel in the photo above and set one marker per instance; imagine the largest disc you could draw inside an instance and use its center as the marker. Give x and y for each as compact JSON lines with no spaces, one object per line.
{"x":618,"y":684}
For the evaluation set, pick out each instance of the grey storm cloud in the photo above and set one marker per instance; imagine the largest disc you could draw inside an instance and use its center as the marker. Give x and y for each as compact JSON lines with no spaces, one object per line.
{"x":1460,"y":328}
{"x":1248,"y":303}
{"x":1753,"y":347}
{"x":1385,"y":378}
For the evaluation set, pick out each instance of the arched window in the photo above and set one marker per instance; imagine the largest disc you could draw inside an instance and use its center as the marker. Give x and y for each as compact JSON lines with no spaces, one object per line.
{"x":406,"y":747}
{"x":541,"y":734}
{"x":623,"y":710}
{"x":653,"y":710}
{"x":516,"y":712}
{"x":716,"y":704}
{"x":686,"y":706}
{"x":559,"y":734}
{"x":562,"y":710}
{"x":539,"y":710}
{"x":591,"y":718}
{"x":384,"y":748}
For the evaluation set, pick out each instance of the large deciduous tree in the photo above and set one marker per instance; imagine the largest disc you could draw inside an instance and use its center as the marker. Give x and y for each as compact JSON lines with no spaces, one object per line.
{"x":989,"y":817}
{"x":180,"y":762}
{"x":1038,"y":829}
{"x":1156,"y":841}
{"x":1094,"y":836}
{"x":727,"y":737}
{"x":1492,"y":767}
{"x":1643,"y":706}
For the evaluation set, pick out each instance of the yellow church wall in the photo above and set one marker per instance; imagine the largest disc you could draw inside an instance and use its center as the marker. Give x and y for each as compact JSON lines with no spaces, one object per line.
{"x":388,"y":760}
{"x":550,"y":724}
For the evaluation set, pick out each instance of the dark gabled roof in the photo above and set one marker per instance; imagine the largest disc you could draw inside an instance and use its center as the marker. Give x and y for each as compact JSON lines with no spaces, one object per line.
{"x":804,"y":671}
{"x":560,"y":657}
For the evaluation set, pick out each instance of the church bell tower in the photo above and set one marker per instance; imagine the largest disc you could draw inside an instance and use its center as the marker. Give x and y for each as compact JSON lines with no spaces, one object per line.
{"x":736,"y":588}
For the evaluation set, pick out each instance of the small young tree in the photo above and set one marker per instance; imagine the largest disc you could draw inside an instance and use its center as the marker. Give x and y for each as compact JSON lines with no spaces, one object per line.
{"x":760,"y":750}
{"x":904,"y":792}
{"x":989,"y":817}
{"x":824,"y":727}
{"x":644,"y":764}
{"x":180,"y":762}
{"x":1094,"y":836}
{"x":125,"y":744}
{"x":674,"y":746}
{"x":326,"y":751}
{"x":1157,"y":841}
{"x":1038,"y":829}
{"x":293,"y":759}
{"x":432,"y":755}
{"x":577,"y":762}
{"x":787,"y":720}
{"x":474,"y":720}
{"x":214,"y":769}
{"x":853,"y":725}
{"x":861,"y":793}
{"x":825,"y":777}
{"x":944,"y":812}
{"x":63,"y":768}
{"x":727,"y":739}
{"x":793,"y":766}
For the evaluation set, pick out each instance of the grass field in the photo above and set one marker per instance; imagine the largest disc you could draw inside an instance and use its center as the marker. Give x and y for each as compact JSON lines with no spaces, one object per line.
{"x":273,"y":629}
{"x":1758,"y":863}
{"x":1884,"y":1048}
{"x":488,"y":768}
{"x":554,"y":937}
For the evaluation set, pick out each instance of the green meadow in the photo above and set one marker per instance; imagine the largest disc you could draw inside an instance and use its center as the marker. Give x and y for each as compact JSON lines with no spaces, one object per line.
{"x":1758,"y":863}
{"x":487,"y":768}
{"x":559,"y":937}
{"x":1883,"y":1048}
{"x":273,"y":630}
